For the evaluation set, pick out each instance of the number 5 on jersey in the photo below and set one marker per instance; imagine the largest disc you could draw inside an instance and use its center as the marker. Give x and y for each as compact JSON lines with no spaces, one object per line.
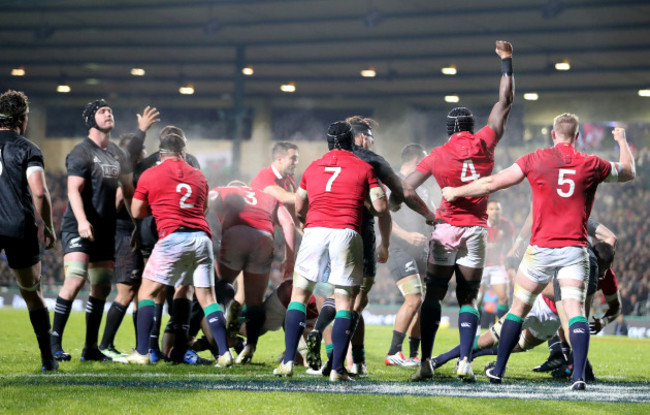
{"x":562,"y":180}
{"x":335,"y":173}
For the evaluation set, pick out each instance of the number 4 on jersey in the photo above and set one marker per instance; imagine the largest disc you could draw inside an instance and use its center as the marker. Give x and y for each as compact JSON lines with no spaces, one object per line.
{"x":468,"y":174}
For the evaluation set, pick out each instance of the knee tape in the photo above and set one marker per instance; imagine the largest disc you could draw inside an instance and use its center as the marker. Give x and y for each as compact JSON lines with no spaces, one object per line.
{"x":100,"y":275}
{"x":495,"y":331}
{"x":413,"y":286}
{"x":344,"y":290}
{"x":367,"y":284}
{"x":524,"y":295}
{"x":524,"y":344}
{"x":302,"y":282}
{"x":573,"y":293}
{"x":323,"y":289}
{"x":30,"y":289}
{"x":75,"y":269}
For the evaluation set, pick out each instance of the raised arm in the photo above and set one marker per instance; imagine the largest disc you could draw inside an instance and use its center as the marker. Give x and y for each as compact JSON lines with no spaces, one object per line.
{"x":499,"y":114}
{"x":625,"y":166}
{"x":486,"y":185}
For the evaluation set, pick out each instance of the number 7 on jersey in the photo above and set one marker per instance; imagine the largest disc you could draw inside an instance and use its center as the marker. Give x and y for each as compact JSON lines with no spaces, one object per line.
{"x":335,"y":173}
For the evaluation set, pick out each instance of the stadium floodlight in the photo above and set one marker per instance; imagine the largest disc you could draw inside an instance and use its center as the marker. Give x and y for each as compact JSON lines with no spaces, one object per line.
{"x":20,"y":71}
{"x":369,"y":73}
{"x":248,"y":71}
{"x":563,"y":66}
{"x":531,"y":96}
{"x":452,"y":98}
{"x":289,"y":87}
{"x":644,"y":93}
{"x":449,"y":70}
{"x":138,"y":72}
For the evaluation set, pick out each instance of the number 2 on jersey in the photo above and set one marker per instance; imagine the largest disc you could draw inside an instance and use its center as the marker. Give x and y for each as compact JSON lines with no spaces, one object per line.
{"x":188,"y":192}
{"x":561,"y":180}
{"x":468,"y":174}
{"x":335,"y":173}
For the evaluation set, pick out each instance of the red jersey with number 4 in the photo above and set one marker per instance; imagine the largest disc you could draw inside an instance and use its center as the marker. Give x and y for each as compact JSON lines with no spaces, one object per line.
{"x":466,"y":157}
{"x":563,"y":182}
{"x":337,"y":186}
{"x":268,"y":176}
{"x":249,"y":207}
{"x":499,"y":240}
{"x":176,"y":193}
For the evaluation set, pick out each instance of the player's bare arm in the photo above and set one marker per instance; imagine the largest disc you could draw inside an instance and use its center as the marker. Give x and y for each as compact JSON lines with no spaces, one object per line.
{"x":43,"y":205}
{"x":413,"y":200}
{"x":75,"y":186}
{"x":411,"y":238}
{"x":140,"y":209}
{"x":625,"y":166}
{"x":302,"y":204}
{"x":385,"y":225}
{"x":284,"y":197}
{"x":148,"y":118}
{"x":486,"y":185}
{"x":604,"y":234}
{"x":501,"y":110}
{"x":288,"y":230}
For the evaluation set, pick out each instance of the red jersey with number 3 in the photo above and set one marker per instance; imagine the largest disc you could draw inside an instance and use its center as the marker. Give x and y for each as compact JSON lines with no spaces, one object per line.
{"x":563,"y":182}
{"x":337,"y":186}
{"x":249,"y":207}
{"x":176,"y":193}
{"x":466,"y":157}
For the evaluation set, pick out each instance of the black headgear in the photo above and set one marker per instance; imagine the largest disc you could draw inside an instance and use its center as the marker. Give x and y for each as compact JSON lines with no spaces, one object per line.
{"x":340,"y":136}
{"x":90,"y":111}
{"x":460,"y":119}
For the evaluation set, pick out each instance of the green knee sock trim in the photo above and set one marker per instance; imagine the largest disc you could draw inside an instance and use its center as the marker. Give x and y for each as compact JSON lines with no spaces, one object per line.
{"x":502,"y":307}
{"x":515,"y":318}
{"x":212,"y":308}
{"x":475,"y":347}
{"x":431,"y":305}
{"x":579,"y":319}
{"x":329,"y":348}
{"x":146,"y":303}
{"x":295,"y":305}
{"x":344,"y":314}
{"x":468,"y":309}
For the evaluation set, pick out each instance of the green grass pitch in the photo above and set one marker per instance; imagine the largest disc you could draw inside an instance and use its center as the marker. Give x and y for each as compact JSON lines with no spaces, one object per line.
{"x":621,"y":366}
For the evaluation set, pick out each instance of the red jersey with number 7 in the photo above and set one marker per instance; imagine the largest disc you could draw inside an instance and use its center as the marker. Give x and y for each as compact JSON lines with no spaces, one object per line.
{"x":249,"y":207}
{"x":563,"y":182}
{"x":176,"y":193}
{"x":337,"y":186}
{"x":466,"y":157}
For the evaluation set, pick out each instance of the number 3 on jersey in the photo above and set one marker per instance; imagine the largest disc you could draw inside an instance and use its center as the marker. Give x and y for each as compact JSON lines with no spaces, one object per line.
{"x":188,"y":192}
{"x":468,"y":174}
{"x":335,"y":173}
{"x":562,"y":180}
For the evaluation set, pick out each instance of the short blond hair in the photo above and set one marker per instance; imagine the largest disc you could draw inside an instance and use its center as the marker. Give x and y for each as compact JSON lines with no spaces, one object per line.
{"x":566,"y":125}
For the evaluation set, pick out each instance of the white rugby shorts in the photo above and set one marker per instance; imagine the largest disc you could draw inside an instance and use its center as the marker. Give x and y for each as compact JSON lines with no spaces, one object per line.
{"x":182,"y":258}
{"x":540,"y":265}
{"x":541,"y":321}
{"x":342,"y":249}
{"x":246,"y":249}
{"x":462,"y":245}
{"x":494,"y":275}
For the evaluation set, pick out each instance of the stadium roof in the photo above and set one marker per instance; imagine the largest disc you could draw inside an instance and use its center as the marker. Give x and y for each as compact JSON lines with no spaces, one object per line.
{"x":322,"y":46}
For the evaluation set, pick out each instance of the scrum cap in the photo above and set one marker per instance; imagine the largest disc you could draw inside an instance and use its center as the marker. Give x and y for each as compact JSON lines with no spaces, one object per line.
{"x":460,"y":119}
{"x":90,"y":111}
{"x":340,"y":136}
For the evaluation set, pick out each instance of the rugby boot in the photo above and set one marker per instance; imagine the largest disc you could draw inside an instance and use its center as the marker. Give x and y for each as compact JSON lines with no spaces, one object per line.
{"x":93,"y":354}
{"x":284,"y":369}
{"x":424,"y":372}
{"x":489,"y":368}
{"x":464,"y":371}
{"x":313,"y":349}
{"x":396,"y":359}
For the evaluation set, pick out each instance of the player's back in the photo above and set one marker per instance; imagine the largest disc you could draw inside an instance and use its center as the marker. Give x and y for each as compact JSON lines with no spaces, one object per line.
{"x":177,"y":194}
{"x":249,"y":207}
{"x":463,"y":159}
{"x":563,"y":182}
{"x":337,"y":186}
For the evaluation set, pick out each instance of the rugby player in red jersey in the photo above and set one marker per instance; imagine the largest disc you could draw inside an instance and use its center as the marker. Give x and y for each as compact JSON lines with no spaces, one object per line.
{"x":176,"y":194}
{"x":458,"y":241}
{"x":563,"y":183}
{"x":330,"y":201}
{"x":248,"y":217}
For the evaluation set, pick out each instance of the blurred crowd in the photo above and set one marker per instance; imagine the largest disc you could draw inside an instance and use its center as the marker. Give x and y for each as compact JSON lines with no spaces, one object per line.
{"x":621,"y":208}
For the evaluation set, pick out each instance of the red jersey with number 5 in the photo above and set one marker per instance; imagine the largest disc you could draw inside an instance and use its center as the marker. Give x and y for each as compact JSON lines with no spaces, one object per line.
{"x":466,"y":157}
{"x":176,"y":193}
{"x":249,"y":207}
{"x":563,"y":182}
{"x":337,"y":186}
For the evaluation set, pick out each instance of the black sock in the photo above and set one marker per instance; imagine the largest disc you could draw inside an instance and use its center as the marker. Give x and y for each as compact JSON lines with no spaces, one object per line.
{"x":155,"y":330}
{"x":554,"y":345}
{"x":255,"y":318}
{"x":135,"y":322}
{"x":41,"y":323}
{"x":181,"y":308}
{"x":396,"y":342}
{"x":414,"y":346}
{"x":94,"y":314}
{"x":326,"y":315}
{"x":61,"y":315}
{"x":114,"y":319}
{"x":429,"y":323}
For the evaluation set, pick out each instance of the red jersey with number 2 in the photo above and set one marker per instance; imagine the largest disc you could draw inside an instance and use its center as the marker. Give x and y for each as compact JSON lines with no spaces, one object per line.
{"x":337,"y":186}
{"x":249,"y":207}
{"x":176,"y":193}
{"x":466,"y":157}
{"x":563,"y":182}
